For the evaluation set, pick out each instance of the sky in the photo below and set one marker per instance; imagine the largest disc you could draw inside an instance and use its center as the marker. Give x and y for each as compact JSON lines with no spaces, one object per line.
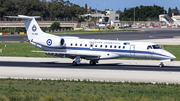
{"x":121,"y":4}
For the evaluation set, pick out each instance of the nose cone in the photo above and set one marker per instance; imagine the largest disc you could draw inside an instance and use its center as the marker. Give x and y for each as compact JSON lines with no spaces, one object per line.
{"x":171,"y":56}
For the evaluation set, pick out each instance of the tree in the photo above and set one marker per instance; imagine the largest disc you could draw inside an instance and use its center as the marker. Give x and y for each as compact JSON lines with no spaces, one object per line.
{"x":2,"y":9}
{"x":55,"y":25}
{"x":9,"y":7}
{"x":143,"y":13}
{"x":176,"y":11}
{"x":170,"y":12}
{"x":93,"y":10}
{"x":86,"y":7}
{"x":51,"y":9}
{"x":45,"y":13}
{"x":81,"y":19}
{"x":29,"y":7}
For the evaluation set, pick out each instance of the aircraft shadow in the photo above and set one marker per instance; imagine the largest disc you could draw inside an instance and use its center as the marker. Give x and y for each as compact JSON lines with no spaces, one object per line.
{"x":114,"y":66}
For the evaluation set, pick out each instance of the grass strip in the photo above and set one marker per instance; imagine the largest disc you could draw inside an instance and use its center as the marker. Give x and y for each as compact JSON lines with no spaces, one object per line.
{"x":86,"y":31}
{"x":76,"y":90}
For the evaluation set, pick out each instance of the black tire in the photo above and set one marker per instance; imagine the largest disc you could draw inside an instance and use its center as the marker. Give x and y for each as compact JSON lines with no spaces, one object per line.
{"x":92,"y":62}
{"x":161,"y":65}
{"x":74,"y":63}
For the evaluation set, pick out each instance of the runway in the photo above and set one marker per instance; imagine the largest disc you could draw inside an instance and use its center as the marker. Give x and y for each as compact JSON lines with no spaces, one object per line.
{"x":106,"y":70}
{"x":103,"y":65}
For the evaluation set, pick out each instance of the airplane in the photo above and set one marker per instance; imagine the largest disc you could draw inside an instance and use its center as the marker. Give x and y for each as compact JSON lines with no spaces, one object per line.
{"x":90,"y":49}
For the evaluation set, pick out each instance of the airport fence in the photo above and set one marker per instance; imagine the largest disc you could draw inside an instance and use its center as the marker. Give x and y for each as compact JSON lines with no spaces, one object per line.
{"x":157,"y":27}
{"x":48,"y":31}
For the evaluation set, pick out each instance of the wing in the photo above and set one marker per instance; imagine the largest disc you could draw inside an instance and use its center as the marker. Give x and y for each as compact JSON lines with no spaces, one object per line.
{"x":72,"y":54}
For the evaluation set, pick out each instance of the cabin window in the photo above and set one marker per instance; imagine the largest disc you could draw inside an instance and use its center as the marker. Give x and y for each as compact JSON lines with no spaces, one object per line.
{"x":106,"y":46}
{"x":101,"y":46}
{"x":76,"y":44}
{"x":111,"y":46}
{"x":85,"y":45}
{"x":119,"y":46}
{"x":80,"y":44}
{"x":156,"y":47}
{"x":95,"y":45}
{"x":149,"y":47}
{"x":114,"y":46}
{"x":71,"y":44}
{"x":123,"y":47}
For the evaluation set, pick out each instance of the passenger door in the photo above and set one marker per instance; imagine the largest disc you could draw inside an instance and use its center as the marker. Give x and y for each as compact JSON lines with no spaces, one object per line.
{"x":132,"y":50}
{"x":91,"y":45}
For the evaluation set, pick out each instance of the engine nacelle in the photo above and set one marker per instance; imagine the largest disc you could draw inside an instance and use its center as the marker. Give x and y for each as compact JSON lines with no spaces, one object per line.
{"x":50,"y":42}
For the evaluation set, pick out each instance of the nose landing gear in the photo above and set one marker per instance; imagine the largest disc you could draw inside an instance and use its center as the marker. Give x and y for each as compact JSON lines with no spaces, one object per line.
{"x":161,"y":65}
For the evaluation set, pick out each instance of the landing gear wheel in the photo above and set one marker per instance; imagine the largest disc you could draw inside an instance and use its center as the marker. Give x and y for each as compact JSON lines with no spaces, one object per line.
{"x":161,"y":65}
{"x":92,"y":62}
{"x":74,"y":63}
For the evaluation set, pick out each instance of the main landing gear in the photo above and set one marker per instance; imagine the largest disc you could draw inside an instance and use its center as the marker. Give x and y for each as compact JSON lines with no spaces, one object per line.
{"x":161,"y":65}
{"x":77,"y":61}
{"x":93,"y":62}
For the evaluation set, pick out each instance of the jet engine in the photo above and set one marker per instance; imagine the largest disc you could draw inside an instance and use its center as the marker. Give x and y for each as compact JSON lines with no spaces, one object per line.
{"x":50,"y":42}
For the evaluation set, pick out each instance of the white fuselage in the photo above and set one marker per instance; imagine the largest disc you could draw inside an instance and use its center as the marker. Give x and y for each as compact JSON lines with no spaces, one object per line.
{"x":108,"y":49}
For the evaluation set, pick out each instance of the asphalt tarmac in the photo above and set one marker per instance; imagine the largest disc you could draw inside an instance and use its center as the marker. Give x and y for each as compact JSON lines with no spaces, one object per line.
{"x":143,"y":34}
{"x":106,"y":70}
{"x":110,"y":66}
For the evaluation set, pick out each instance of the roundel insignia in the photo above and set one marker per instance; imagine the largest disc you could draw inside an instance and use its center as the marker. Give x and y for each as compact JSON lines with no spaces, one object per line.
{"x":34,"y":28}
{"x":49,"y":42}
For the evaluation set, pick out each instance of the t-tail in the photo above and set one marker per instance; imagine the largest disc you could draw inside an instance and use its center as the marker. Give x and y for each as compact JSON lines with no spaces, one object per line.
{"x":32,"y":27}
{"x":36,"y":36}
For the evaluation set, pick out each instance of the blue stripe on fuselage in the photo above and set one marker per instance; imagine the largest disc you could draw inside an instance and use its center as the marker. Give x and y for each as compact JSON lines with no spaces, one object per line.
{"x":108,"y":50}
{"x":114,"y":50}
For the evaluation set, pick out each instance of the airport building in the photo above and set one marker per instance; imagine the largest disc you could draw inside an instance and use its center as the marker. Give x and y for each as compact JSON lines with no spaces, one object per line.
{"x":103,"y":20}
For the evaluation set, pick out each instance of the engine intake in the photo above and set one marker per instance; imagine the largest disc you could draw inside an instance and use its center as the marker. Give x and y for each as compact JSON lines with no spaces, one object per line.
{"x":62,"y":42}
{"x":51,"y":42}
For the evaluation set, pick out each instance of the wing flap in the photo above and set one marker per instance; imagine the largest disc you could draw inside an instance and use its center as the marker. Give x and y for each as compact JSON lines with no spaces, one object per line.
{"x":69,"y":53}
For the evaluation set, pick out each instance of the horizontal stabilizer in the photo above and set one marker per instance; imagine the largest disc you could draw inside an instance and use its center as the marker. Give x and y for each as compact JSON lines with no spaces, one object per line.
{"x":23,"y":17}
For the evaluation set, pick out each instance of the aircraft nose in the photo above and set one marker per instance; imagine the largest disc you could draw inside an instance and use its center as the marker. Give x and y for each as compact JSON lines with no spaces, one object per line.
{"x":171,"y":55}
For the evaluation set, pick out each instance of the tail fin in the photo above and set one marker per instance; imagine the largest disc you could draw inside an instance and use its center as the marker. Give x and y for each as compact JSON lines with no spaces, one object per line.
{"x":32,"y":27}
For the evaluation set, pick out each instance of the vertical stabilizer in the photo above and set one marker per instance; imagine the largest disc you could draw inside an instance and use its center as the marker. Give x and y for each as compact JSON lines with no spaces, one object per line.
{"x":32,"y":27}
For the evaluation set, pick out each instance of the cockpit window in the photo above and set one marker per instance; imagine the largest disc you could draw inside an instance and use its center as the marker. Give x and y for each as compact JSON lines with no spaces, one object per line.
{"x":149,"y":47}
{"x":156,"y":47}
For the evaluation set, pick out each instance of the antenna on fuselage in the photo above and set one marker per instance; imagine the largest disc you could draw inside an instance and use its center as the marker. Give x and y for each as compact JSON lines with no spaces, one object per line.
{"x":117,"y":39}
